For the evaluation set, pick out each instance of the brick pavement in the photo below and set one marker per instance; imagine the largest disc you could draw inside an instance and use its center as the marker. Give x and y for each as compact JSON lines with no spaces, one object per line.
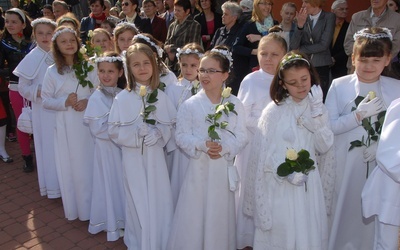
{"x":30,"y":221}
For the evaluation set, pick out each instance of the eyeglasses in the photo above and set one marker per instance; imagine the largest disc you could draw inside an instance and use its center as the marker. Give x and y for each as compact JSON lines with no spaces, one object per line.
{"x":125,"y":4}
{"x":209,"y":71}
{"x":265,"y":3}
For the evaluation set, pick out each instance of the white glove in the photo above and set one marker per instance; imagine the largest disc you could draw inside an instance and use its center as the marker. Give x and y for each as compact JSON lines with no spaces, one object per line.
{"x":315,"y":97}
{"x":370,"y":152}
{"x":368,"y":108}
{"x":143,"y":129}
{"x":297,"y":178}
{"x":152,"y":137}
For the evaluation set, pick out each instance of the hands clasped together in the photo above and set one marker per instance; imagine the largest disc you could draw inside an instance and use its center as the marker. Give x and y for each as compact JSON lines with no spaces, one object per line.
{"x":72,"y":100}
{"x":150,"y":134}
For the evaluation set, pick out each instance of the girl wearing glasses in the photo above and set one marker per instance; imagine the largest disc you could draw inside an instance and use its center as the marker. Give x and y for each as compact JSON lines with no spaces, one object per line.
{"x":289,"y":212}
{"x":245,"y":47}
{"x":205,"y":213}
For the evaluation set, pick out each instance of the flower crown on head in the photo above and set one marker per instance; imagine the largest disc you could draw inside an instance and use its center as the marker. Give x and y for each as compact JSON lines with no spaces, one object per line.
{"x":226,"y":54}
{"x":188,"y":52}
{"x":291,"y":58}
{"x":19,"y":12}
{"x":59,"y":32}
{"x":109,"y":59}
{"x":43,"y":20}
{"x":147,"y":39}
{"x":132,"y":25}
{"x":386,"y":33}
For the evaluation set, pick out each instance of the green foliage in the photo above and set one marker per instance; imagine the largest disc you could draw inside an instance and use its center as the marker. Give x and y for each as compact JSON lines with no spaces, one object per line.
{"x":220,"y":109}
{"x":303,"y":164}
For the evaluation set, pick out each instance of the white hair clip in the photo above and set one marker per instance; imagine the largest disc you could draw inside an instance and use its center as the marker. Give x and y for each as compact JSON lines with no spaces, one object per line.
{"x":43,"y":20}
{"x":147,"y":39}
{"x":188,"y":52}
{"x":226,"y":54}
{"x":109,"y":59}
{"x":386,"y":33}
{"x":59,"y":32}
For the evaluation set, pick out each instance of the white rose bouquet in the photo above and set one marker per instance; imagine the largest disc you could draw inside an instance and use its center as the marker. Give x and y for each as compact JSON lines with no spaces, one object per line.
{"x":299,"y":162}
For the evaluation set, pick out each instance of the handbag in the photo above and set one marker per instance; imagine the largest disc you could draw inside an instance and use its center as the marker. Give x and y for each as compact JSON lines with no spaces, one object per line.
{"x":24,"y":123}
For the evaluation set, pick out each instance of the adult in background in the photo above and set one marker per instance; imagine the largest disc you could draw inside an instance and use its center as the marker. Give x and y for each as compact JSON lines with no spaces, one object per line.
{"x":338,"y":68}
{"x":209,"y":20}
{"x":160,"y":6}
{"x":247,"y":9}
{"x":245,"y":46}
{"x":131,"y":9}
{"x":227,"y":34}
{"x":313,"y":36}
{"x":59,"y":8}
{"x":94,"y":20}
{"x":394,"y":5}
{"x":182,"y":31}
{"x":169,"y":14}
{"x":47,"y":12}
{"x":288,"y":25}
{"x":32,"y":9}
{"x":377,"y":15}
{"x":158,"y":26}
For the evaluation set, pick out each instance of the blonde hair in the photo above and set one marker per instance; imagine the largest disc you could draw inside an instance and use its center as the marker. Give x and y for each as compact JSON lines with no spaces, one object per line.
{"x":256,"y":15}
{"x":145,"y":49}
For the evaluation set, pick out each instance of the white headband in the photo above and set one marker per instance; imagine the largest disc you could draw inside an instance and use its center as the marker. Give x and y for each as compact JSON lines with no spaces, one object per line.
{"x":384,"y":34}
{"x":19,"y":13}
{"x":59,"y":32}
{"x":226,"y":54}
{"x":291,"y":58}
{"x":43,"y":20}
{"x":147,"y":39}
{"x":188,"y":52}
{"x":109,"y":59}
{"x":132,"y":25}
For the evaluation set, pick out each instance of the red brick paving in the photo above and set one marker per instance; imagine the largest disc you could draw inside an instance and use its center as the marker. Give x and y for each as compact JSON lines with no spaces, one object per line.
{"x":30,"y":221}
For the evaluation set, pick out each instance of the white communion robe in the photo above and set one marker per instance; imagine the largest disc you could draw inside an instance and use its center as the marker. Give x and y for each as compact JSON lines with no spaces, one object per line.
{"x":148,"y":198}
{"x":108,"y":196}
{"x":350,"y":230}
{"x":205,"y":213}
{"x":287,"y":216}
{"x":254,"y":94}
{"x":31,"y":71}
{"x":73,"y":143}
{"x":179,"y":93}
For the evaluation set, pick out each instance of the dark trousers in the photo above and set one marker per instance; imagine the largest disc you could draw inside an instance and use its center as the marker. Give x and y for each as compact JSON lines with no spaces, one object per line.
{"x":323,"y":73}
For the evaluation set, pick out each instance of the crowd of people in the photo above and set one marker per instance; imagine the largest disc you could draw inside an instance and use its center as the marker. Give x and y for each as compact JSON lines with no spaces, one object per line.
{"x":186,"y":125}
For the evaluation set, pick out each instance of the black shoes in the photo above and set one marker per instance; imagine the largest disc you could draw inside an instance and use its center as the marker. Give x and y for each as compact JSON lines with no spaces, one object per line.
{"x":28,"y":166}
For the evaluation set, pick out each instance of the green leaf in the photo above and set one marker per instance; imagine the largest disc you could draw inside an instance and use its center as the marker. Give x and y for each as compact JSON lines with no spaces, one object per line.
{"x":356,"y":143}
{"x":150,"y":108}
{"x":213,"y":135}
{"x":161,"y":86}
{"x":219,"y":108}
{"x":358,"y":100}
{"x":375,"y":138}
{"x":303,"y":154}
{"x":366,"y":124}
{"x":284,"y":170}
{"x":217,"y":116}
{"x":224,"y":125}
{"x":151,"y":121}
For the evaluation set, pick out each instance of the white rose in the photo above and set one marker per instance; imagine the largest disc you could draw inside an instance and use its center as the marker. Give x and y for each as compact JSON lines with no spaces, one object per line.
{"x":142,"y":91}
{"x":291,"y":154}
{"x":83,"y":50}
{"x":90,"y":33}
{"x":226,"y":92}
{"x":196,"y":84}
{"x":372,"y":95}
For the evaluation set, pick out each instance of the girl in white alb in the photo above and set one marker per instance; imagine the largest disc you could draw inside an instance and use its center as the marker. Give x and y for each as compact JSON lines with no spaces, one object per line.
{"x":205,"y":213}
{"x":254,"y":94}
{"x":73,"y":143}
{"x":31,"y":71}
{"x":108,"y":197}
{"x":371,"y":54}
{"x":140,"y":122}
{"x":189,"y":60}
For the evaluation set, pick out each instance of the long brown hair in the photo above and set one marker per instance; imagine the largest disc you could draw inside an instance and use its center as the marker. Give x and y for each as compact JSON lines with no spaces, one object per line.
{"x":145,"y":49}
{"x":59,"y":58}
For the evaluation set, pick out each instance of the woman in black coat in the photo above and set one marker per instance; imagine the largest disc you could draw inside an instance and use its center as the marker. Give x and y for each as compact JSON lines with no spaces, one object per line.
{"x":209,"y":20}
